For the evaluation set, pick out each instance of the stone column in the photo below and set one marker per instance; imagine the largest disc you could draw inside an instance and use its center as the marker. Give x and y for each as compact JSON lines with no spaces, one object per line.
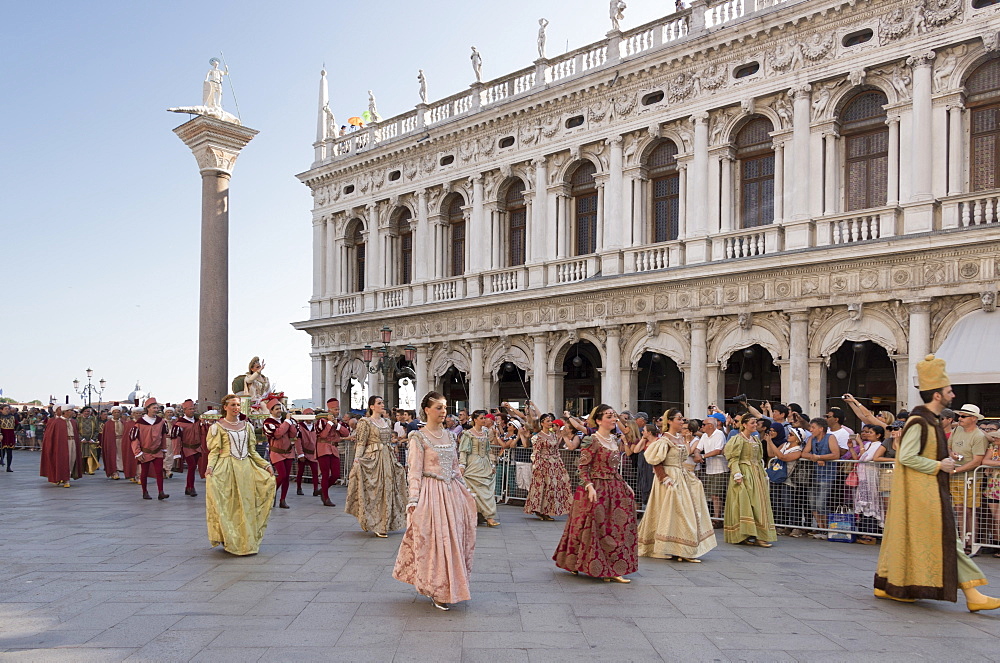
{"x":798,"y":364}
{"x":420,"y":367}
{"x":319,"y":268}
{"x":215,"y":145}
{"x":539,"y":213}
{"x":831,"y":182}
{"x":698,"y":188}
{"x":921,"y":188}
{"x":330,"y":288}
{"x":477,"y":391}
{"x":726,"y":195}
{"x":318,"y":371}
{"x":779,"y":180}
{"x":893,"y":176}
{"x":697,"y":383}
{"x":956,"y":160}
{"x":800,"y":150}
{"x":476,"y":234}
{"x":539,"y":373}
{"x":919,"y":346}
{"x":331,"y":382}
{"x":612,"y":382}
{"x":614,"y":222}
{"x":682,"y":186}
{"x":423,"y":242}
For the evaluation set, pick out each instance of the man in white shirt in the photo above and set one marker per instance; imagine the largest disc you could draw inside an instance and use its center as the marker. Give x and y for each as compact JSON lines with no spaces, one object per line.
{"x":709,"y":448}
{"x":835,"y":420}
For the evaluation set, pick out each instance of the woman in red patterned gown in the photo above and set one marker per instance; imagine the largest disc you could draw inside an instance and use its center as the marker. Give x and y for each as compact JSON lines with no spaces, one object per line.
{"x":600,"y":536}
{"x":550,"y":493}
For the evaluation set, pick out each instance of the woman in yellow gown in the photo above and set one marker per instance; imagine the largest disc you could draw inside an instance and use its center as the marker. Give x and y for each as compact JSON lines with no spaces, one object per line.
{"x":676,"y":523}
{"x":239,"y":484}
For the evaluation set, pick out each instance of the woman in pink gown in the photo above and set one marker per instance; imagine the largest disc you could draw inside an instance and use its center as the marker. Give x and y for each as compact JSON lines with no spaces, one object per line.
{"x":436,"y":553}
{"x":600,"y":536}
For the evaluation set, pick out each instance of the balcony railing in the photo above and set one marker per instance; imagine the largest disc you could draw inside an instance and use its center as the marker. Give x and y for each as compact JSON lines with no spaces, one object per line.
{"x":347,"y":305}
{"x":748,"y":243}
{"x":860,"y":226}
{"x":448,"y":289}
{"x":652,"y":257}
{"x":979,"y":211}
{"x":571,"y":270}
{"x":506,"y":280}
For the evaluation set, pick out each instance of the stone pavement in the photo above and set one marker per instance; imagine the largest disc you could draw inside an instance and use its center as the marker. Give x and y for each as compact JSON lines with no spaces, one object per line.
{"x":94,"y":573}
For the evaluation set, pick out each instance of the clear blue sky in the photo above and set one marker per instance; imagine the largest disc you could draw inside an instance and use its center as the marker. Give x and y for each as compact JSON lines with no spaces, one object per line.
{"x":100,"y":208}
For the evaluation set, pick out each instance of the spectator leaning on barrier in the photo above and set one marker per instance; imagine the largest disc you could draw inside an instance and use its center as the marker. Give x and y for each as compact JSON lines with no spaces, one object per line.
{"x":710,"y":448}
{"x":949,"y":421}
{"x":991,"y":494}
{"x":823,"y":451}
{"x":835,"y":424}
{"x":967,"y":445}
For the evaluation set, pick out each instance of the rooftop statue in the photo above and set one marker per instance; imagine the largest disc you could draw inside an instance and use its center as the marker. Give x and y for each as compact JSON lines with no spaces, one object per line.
{"x":211,"y":96}
{"x":542,"y":24}
{"x":617,"y":14}
{"x":477,"y":64}
{"x":423,"y":85}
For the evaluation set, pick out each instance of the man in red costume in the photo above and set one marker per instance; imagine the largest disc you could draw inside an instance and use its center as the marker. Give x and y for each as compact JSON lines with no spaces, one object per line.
{"x":306,"y":447}
{"x":131,"y":467}
{"x":281,"y":432}
{"x":116,"y":447}
{"x":328,"y":435}
{"x":62,"y":457}
{"x":189,"y":436}
{"x":149,"y":445}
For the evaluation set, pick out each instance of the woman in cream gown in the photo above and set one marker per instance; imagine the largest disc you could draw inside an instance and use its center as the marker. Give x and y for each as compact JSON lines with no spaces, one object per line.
{"x":435,"y":555}
{"x":376,"y":486}
{"x":239,"y":484}
{"x":676,"y":523}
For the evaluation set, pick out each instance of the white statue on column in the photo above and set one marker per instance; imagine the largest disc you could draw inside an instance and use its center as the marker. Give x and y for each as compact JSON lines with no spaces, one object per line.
{"x":211,"y":96}
{"x":542,"y":24}
{"x":423,"y":85}
{"x":617,"y":12}
{"x":331,"y":121}
{"x":477,"y":64}
{"x":372,"y":110}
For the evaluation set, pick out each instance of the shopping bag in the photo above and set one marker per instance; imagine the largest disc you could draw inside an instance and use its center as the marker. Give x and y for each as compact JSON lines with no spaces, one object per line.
{"x":841,"y":523}
{"x":777,"y":470}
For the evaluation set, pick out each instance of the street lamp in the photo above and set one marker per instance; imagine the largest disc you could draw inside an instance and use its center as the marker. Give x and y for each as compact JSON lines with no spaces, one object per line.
{"x":90,"y":389}
{"x":385,"y":355}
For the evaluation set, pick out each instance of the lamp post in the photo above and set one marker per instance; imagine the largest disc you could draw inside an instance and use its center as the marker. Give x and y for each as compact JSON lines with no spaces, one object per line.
{"x":90,"y":389}
{"x":385,"y":353}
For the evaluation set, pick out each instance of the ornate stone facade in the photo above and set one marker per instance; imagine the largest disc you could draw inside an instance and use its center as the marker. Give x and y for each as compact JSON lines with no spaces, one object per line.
{"x":819,"y":271}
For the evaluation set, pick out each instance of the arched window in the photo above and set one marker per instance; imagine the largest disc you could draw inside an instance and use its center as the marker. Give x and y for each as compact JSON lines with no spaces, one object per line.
{"x":456,"y":222}
{"x":982,"y":91}
{"x":405,"y":244}
{"x":356,"y":257}
{"x":517,"y":223}
{"x":584,"y":192}
{"x":755,"y":159}
{"x":866,"y":150}
{"x":665,"y":187}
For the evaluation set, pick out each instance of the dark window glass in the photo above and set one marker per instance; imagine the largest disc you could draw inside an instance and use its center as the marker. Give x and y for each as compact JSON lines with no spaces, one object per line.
{"x":456,"y":218}
{"x":517,"y":219}
{"x":756,"y":172}
{"x":665,"y":187}
{"x":866,"y":148}
{"x":584,"y":191}
{"x":405,"y":246}
{"x":983,"y":90}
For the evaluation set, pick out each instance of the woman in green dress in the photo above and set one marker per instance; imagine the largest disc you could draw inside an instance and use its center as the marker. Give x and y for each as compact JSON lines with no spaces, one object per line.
{"x":480,"y":469}
{"x":748,"y":519}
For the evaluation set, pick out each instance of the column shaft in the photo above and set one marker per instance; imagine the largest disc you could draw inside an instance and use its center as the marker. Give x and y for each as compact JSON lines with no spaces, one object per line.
{"x":213,"y":322}
{"x":539,"y":373}
{"x":697,"y":386}
{"x":920,"y":346}
{"x":800,"y":149}
{"x":798,"y":364}
{"x":613,"y":371}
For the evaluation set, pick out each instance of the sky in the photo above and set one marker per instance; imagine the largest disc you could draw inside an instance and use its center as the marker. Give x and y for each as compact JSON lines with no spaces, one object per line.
{"x":101,"y":203}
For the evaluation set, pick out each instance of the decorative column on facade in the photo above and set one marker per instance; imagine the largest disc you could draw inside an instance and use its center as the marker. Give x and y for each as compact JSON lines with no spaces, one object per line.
{"x":319,"y":268}
{"x":477,"y":385}
{"x":476,"y":235}
{"x":375,"y":248}
{"x":332,"y":266}
{"x":615,"y":222}
{"x":538,"y":222}
{"x":698,"y":187}
{"x":423,"y":244}
{"x":318,"y":372}
{"x":539,"y":373}
{"x":919,"y":345}
{"x":956,"y":160}
{"x":893,"y":174}
{"x":801,"y":102}
{"x":920,"y":217}
{"x":420,"y":368}
{"x":697,"y":378}
{"x":831,"y":180}
{"x":798,"y":361}
{"x":682,"y":181}
{"x":331,"y":382}
{"x":726,"y":159}
{"x":612,"y":383}
{"x":601,"y":181}
{"x":779,"y":180}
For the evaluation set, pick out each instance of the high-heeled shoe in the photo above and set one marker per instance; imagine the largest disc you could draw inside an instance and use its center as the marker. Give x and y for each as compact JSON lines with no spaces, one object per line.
{"x":381,"y":535}
{"x":691,"y":560}
{"x":620,"y":579}
{"x":492,"y":523}
{"x":439,"y":606}
{"x":880,"y":593}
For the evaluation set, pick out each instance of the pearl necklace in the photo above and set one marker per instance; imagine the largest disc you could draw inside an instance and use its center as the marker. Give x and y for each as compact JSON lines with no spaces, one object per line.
{"x":439,"y":436}
{"x":379,"y":422}
{"x":608,"y":443}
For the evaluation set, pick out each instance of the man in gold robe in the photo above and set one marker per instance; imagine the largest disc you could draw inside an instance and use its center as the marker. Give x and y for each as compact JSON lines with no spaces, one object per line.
{"x":921,"y":555}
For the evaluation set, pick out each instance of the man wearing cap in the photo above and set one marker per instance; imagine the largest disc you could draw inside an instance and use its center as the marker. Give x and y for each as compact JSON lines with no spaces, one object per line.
{"x":281,"y":433}
{"x":306,"y":447}
{"x":921,"y":557}
{"x":62,"y":457}
{"x":967,"y":446}
{"x":149,"y":445}
{"x":89,"y":428}
{"x":189,"y":443}
{"x":114,"y":437}
{"x":329,"y":432}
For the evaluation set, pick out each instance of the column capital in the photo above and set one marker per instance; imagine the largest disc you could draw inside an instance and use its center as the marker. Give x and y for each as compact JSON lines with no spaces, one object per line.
{"x":612,"y":330}
{"x":701,"y":117}
{"x":215,"y":144}
{"x":800,"y":91}
{"x":615,"y":141}
{"x":539,"y":162}
{"x":476,"y":344}
{"x":920,"y":305}
{"x":921,"y":59}
{"x":697,"y":323}
{"x":891,"y":120}
{"x":798,"y":315}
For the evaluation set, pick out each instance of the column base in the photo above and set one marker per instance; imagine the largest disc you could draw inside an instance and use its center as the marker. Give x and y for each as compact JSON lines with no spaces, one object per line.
{"x":536,"y":276}
{"x":919,"y":217}
{"x":697,"y":250}
{"x":612,"y":263}
{"x":799,"y":234}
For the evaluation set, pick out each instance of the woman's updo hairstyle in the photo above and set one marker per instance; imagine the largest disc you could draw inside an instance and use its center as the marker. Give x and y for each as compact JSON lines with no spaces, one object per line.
{"x":371,"y":401}
{"x":429,"y":398}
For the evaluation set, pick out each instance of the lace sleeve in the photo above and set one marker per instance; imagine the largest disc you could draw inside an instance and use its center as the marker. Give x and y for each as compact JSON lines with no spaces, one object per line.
{"x":415,"y":473}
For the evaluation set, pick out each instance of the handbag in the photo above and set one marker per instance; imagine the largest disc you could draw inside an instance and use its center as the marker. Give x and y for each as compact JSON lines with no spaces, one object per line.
{"x":885,"y":479}
{"x":852,"y":478}
{"x":841,"y":523}
{"x":777,"y":470}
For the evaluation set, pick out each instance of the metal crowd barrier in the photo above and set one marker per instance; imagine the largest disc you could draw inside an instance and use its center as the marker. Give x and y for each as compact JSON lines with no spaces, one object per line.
{"x":976,"y":497}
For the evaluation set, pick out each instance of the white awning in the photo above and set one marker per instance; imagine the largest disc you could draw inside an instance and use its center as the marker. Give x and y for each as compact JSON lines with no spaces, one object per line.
{"x":971,"y":349}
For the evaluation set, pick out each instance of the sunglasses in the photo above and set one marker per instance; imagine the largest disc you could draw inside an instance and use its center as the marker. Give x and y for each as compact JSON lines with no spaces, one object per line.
{"x":965,"y":416}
